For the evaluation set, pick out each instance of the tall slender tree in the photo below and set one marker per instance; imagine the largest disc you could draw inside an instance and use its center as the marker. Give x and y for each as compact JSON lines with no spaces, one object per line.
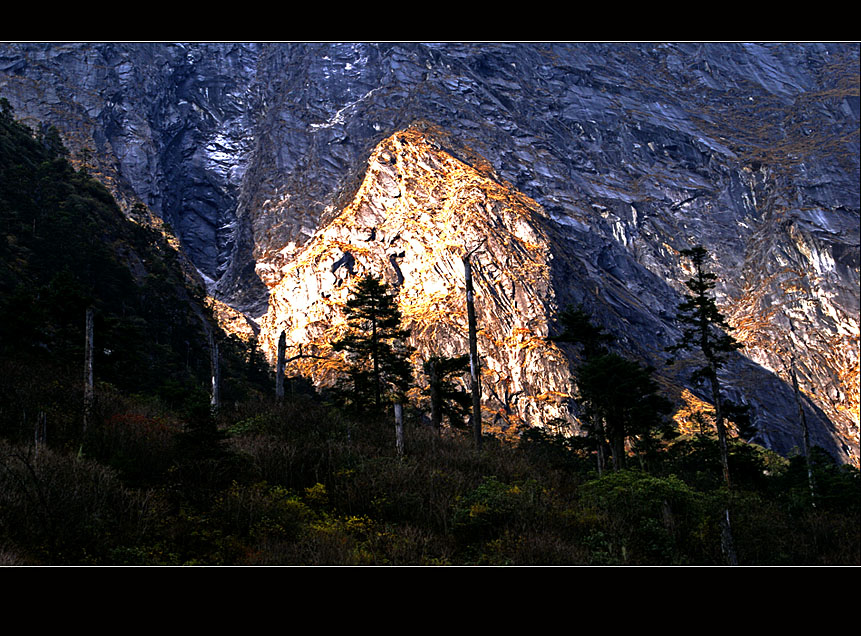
{"x":279,"y":366}
{"x":215,"y":366}
{"x":706,"y":331}
{"x":474,"y":359}
{"x":89,"y":354}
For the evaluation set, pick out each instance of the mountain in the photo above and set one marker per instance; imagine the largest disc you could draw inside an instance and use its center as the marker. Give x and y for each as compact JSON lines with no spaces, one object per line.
{"x":68,"y":253}
{"x":418,"y":211}
{"x":66,"y":248}
{"x":586,"y":167}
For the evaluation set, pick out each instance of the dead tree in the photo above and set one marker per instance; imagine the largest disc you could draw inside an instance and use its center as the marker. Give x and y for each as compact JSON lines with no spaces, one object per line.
{"x":399,"y":428}
{"x":41,"y":431}
{"x":89,"y":391}
{"x":279,"y":366}
{"x":215,"y":365}
{"x":474,"y":363}
{"x":435,"y":397}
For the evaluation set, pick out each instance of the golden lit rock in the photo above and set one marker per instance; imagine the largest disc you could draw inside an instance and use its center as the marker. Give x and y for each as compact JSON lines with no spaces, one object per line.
{"x":417,"y":212}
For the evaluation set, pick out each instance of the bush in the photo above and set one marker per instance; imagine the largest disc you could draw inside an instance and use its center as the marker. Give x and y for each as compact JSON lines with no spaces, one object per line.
{"x":259,"y":511}
{"x":138,"y":445}
{"x":630,"y":517}
{"x":64,"y":509}
{"x":492,"y":507}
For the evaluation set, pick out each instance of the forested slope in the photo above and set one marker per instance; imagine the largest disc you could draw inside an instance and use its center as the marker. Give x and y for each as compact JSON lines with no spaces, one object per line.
{"x":161,"y":476}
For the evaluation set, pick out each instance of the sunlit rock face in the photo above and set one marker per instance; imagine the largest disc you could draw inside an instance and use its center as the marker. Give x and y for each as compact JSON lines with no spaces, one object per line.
{"x":417,"y":213}
{"x":629,"y":153}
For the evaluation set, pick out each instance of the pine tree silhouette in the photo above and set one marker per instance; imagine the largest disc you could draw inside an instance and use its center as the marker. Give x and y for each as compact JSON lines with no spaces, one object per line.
{"x":378,"y":362}
{"x":707,"y":331}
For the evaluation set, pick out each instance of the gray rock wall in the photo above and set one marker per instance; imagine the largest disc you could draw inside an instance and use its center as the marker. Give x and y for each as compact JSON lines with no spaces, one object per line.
{"x":633,"y":151}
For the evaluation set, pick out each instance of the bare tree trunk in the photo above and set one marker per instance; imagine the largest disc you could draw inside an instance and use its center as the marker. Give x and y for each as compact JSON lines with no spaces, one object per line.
{"x":89,"y":391}
{"x":719,"y":423}
{"x":727,"y":542}
{"x":41,"y":432}
{"x":474,"y":365}
{"x":215,"y":365}
{"x":435,"y":398}
{"x":279,"y":366}
{"x":375,"y":357}
{"x":399,"y":428}
{"x":602,"y":461}
{"x":617,"y":450}
{"x":805,"y":433}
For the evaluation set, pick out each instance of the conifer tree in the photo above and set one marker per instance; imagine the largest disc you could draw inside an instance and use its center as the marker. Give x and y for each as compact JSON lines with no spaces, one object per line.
{"x":446,"y":398}
{"x":619,"y":396}
{"x":579,"y":330}
{"x":377,"y":354}
{"x":707,"y":331}
{"x":624,"y":396}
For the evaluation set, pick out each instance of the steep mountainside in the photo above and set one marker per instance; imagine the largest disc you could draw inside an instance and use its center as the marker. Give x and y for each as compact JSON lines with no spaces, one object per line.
{"x":590,"y":166}
{"x":66,"y":252}
{"x":418,"y":211}
{"x":66,"y":247}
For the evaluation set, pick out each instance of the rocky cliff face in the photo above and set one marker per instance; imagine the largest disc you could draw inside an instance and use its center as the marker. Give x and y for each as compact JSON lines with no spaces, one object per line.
{"x":417,"y":213}
{"x":588,"y":167}
{"x":165,"y":125}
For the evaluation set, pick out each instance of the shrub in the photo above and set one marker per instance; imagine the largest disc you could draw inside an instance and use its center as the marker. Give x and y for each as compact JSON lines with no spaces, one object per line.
{"x":64,"y":509}
{"x":636,"y":518}
{"x":491,"y":508}
{"x":140,"y":446}
{"x":258,"y":511}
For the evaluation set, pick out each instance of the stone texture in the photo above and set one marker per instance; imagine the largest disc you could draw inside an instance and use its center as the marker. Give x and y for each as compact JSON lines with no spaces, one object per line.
{"x":416,"y":214}
{"x":630,"y":153}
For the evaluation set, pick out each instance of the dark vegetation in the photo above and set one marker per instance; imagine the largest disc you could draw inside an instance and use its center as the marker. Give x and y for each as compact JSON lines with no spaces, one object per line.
{"x":160,"y":477}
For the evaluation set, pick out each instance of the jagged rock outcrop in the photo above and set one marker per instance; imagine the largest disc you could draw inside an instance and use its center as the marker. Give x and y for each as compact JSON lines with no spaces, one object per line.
{"x":417,"y":212}
{"x":631,"y":153}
